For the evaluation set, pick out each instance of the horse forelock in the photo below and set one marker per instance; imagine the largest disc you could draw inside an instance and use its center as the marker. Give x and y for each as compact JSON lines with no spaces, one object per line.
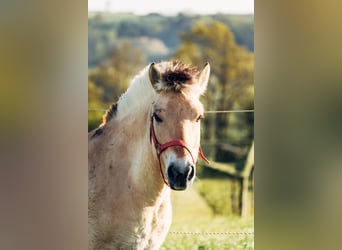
{"x":177,"y":76}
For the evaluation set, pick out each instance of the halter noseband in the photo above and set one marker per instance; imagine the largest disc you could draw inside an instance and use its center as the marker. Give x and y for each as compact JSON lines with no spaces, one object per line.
{"x":161,"y":147}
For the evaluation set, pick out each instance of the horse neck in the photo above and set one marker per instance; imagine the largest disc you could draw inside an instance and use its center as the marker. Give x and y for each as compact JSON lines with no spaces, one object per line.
{"x":133,"y":113}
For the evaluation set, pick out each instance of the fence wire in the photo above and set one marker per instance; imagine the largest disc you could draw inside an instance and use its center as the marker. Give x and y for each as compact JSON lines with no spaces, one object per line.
{"x":214,"y":233}
{"x":206,"y":112}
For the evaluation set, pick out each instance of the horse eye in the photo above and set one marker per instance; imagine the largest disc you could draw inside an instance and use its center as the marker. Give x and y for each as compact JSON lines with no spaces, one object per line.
{"x":200,"y":117}
{"x":157,"y":118}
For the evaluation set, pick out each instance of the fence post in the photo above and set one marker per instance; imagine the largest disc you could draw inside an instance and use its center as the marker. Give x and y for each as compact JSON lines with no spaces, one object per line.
{"x":245,"y":182}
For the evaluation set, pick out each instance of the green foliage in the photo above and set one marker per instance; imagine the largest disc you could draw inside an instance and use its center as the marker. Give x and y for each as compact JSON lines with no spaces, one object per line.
{"x":217,"y":194}
{"x":107,"y":82}
{"x":113,"y":75}
{"x":95,"y":96}
{"x":94,"y":119}
{"x":242,"y":26}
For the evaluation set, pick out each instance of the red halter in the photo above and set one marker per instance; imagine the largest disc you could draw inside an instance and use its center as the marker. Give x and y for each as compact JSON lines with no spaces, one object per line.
{"x":161,"y":147}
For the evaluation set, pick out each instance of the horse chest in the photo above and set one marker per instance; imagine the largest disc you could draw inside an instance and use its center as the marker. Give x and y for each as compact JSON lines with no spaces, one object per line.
{"x":153,"y":227}
{"x":138,"y":229}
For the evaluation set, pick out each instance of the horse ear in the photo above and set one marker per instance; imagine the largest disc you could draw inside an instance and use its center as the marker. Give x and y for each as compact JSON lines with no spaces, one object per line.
{"x":154,"y":74}
{"x":203,"y":77}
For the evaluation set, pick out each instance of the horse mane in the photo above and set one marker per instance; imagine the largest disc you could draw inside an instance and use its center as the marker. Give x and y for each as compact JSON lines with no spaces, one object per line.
{"x":175,"y":76}
{"x":138,"y":94}
{"x":110,"y":113}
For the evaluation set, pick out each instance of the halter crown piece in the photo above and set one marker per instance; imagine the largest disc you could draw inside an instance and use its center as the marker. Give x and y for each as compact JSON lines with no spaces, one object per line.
{"x":161,"y":147}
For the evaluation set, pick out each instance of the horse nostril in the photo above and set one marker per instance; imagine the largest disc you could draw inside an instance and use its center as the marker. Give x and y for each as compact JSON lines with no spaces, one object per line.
{"x":171,"y":172}
{"x":191,"y":172}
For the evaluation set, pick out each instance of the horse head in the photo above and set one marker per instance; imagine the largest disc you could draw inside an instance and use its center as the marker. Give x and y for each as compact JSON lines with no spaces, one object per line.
{"x":175,"y":119}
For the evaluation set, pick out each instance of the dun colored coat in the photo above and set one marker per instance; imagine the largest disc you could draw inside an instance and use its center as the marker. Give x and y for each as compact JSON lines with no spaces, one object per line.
{"x":148,"y":143}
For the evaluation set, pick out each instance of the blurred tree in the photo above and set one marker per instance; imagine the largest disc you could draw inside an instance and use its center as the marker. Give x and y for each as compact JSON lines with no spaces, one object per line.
{"x":95,"y":97}
{"x":232,"y":76}
{"x":104,"y":30}
{"x":114,"y":73}
{"x":107,"y":82}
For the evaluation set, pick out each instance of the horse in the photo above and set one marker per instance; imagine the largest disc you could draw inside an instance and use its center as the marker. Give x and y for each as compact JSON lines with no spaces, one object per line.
{"x":147,"y":145}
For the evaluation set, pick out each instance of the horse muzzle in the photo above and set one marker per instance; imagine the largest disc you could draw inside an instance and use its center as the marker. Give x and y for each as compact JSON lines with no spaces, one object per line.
{"x":180,"y":176}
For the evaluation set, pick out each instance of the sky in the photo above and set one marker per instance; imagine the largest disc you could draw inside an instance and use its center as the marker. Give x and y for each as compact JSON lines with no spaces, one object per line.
{"x":171,"y":7}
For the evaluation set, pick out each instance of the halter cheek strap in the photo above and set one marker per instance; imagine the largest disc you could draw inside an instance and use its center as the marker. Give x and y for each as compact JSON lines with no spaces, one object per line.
{"x":161,"y":147}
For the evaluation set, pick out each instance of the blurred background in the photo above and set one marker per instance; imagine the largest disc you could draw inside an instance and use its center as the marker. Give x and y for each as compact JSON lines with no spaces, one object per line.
{"x":125,"y":37}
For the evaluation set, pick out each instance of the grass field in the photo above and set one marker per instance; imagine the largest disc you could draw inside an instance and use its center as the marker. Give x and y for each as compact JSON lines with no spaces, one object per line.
{"x":192,"y":214}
